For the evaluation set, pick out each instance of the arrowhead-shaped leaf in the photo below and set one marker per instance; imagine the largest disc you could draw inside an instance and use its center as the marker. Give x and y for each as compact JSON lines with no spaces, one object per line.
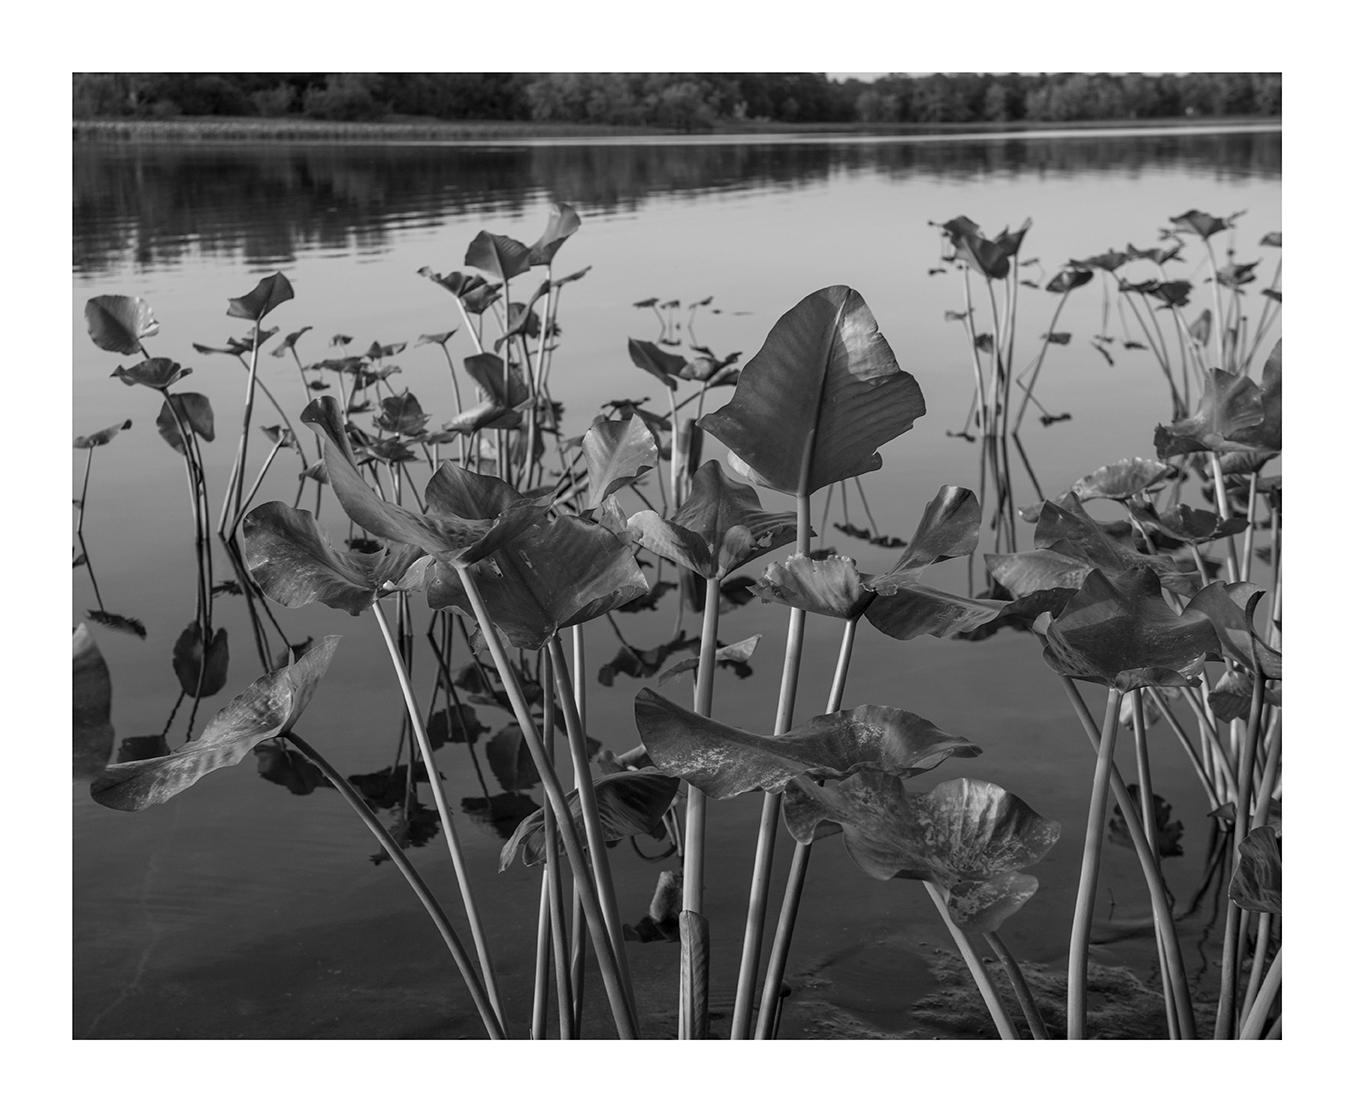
{"x":194,"y":410}
{"x":501,"y":256}
{"x":663,"y":365}
{"x":1230,"y":414}
{"x":294,"y":564}
{"x":118,"y":323}
{"x":823,"y":394}
{"x":616,"y":453}
{"x":559,"y":226}
{"x":1230,"y":609}
{"x":488,"y":370}
{"x":266,"y":708}
{"x":271,"y":292}
{"x":723,"y":761}
{"x":1257,"y":883}
{"x":158,"y":374}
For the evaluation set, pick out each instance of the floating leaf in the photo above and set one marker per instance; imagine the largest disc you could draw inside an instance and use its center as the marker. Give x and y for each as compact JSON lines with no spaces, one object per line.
{"x":628,"y":803}
{"x":1122,"y":480}
{"x":118,"y":323}
{"x":194,"y":410}
{"x":559,"y":226}
{"x":102,"y":437}
{"x":723,"y":761}
{"x":616,"y":453}
{"x":201,"y":660}
{"x":502,"y":256}
{"x":91,"y":702}
{"x":1257,"y":883}
{"x":719,"y":527}
{"x":821,"y":396}
{"x":293,"y":563}
{"x":1119,"y":631}
{"x":970,"y":837}
{"x":271,"y":292}
{"x":158,"y":374}
{"x":267,"y":708}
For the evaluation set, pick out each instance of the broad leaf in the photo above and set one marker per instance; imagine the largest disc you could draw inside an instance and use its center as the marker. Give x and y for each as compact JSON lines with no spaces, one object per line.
{"x":719,"y":527}
{"x":970,"y":837}
{"x":1230,"y":610}
{"x":559,"y":226}
{"x":265,"y":709}
{"x":823,"y":394}
{"x":723,"y":761}
{"x":293,"y":563}
{"x":628,"y":804}
{"x":91,"y":702}
{"x":663,"y":365}
{"x":1120,"y":632}
{"x":102,"y":437}
{"x":1202,"y":224}
{"x":502,"y":256}
{"x":118,"y":323}
{"x":488,"y":370}
{"x":616,"y":453}
{"x":271,"y":292}
{"x":1069,"y":279}
{"x":1122,"y":480}
{"x":545,"y":579}
{"x":457,"y":537}
{"x":832,"y":586}
{"x":158,"y":374}
{"x":402,"y":415}
{"x":1231,"y":696}
{"x":1257,"y":882}
{"x":1230,"y":413}
{"x":201,"y":660}
{"x":948,"y":528}
{"x":194,"y":410}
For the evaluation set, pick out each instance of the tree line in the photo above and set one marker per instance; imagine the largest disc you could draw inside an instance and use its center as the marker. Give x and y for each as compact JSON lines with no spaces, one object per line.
{"x":680,"y":101}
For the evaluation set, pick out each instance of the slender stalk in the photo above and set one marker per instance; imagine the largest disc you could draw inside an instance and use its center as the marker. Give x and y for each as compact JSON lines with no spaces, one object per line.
{"x":799,"y":864}
{"x":540,"y":990}
{"x":1034,"y":377}
{"x":1014,"y":974}
{"x":693,"y":863}
{"x":766,"y":830}
{"x":1078,"y":959}
{"x":258,"y":482}
{"x":84,"y":490}
{"x":1149,"y":826}
{"x":488,"y":1014}
{"x":242,"y":451}
{"x":988,"y":991}
{"x":611,"y":976}
{"x":1224,"y":512}
{"x":592,"y":822}
{"x":1264,"y":926}
{"x":1265,"y":1000}
{"x":443,"y":812}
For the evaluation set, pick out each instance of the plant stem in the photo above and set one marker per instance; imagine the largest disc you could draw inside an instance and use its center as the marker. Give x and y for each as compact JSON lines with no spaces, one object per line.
{"x":1262,"y":932}
{"x":592,"y":821}
{"x":766,"y":830}
{"x":1024,"y":997}
{"x":1078,"y":959}
{"x":693,"y":862}
{"x":799,"y":864}
{"x":611,"y":977}
{"x":1149,"y":825}
{"x":488,"y":1014}
{"x":1264,"y":1001}
{"x":1005,"y":1028}
{"x":443,"y":812}
{"x":1029,"y":388}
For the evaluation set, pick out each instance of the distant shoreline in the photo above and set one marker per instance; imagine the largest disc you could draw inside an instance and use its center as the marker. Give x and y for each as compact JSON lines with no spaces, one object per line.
{"x":253,"y":129}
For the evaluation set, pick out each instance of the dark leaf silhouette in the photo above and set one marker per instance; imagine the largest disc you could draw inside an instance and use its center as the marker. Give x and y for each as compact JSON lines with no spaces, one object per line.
{"x":271,"y":292}
{"x":158,"y":374}
{"x":201,"y":660}
{"x":454,"y":725}
{"x":1257,"y":882}
{"x":102,"y":437}
{"x":510,"y":759}
{"x":194,"y":410}
{"x":663,"y":365}
{"x":1202,"y":224}
{"x":1169,"y":831}
{"x":117,"y":622}
{"x":118,"y":323}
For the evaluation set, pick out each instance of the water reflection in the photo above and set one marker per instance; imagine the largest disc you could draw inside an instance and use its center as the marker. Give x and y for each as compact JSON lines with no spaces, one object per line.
{"x":151,"y":205}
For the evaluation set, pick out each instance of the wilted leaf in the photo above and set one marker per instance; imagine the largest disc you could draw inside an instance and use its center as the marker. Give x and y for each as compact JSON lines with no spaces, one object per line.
{"x":267,"y":708}
{"x":832,"y":586}
{"x":970,"y":837}
{"x":118,"y":622}
{"x":821,"y":396}
{"x":723,"y":761}
{"x":271,"y":292}
{"x":628,"y":803}
{"x":118,"y":323}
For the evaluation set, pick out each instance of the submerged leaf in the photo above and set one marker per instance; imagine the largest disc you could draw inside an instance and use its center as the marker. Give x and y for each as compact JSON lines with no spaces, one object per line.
{"x":267,"y":708}
{"x":824,"y":393}
{"x":723,"y":761}
{"x":510,"y":759}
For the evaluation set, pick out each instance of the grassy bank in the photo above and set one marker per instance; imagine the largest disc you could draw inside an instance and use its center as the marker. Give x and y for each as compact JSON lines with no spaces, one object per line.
{"x":249,"y":129}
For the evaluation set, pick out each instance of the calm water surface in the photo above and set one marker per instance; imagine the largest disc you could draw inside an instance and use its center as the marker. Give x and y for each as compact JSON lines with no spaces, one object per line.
{"x":241,"y":910}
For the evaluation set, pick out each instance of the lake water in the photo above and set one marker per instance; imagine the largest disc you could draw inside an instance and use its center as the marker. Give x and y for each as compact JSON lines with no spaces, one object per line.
{"x":242,"y":910}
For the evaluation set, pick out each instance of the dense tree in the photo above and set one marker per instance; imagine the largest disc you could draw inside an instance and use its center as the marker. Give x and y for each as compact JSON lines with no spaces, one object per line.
{"x":681,"y":101}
